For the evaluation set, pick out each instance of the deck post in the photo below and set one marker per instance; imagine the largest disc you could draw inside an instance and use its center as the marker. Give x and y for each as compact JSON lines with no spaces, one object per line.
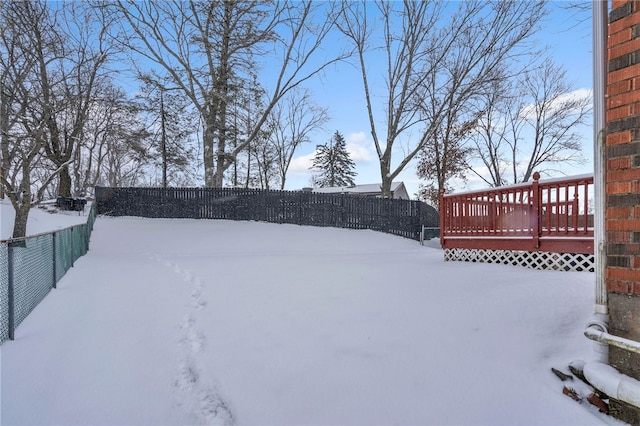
{"x":574,"y":212}
{"x":442,"y":209}
{"x":535,"y":211}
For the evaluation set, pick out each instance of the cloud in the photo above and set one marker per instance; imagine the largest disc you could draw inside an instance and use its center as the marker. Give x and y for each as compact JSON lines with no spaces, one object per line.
{"x":300,"y":165}
{"x":360,"y":148}
{"x":357,"y":137}
{"x":562,"y":101}
{"x":359,"y":153}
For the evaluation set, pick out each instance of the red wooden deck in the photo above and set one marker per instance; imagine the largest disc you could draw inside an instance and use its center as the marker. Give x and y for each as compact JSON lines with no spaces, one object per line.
{"x":550,"y":216}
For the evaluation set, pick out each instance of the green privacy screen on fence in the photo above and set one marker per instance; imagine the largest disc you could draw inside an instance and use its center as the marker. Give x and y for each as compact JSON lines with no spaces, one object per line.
{"x":30,"y":267}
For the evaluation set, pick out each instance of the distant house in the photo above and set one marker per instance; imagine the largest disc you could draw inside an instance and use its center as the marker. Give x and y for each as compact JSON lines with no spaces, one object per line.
{"x":398,"y":190}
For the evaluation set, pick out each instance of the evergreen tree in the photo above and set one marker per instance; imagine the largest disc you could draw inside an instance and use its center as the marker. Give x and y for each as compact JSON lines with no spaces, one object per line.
{"x":334,"y":164}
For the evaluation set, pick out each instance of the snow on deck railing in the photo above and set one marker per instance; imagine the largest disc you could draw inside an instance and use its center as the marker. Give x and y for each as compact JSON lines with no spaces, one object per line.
{"x":550,"y":215}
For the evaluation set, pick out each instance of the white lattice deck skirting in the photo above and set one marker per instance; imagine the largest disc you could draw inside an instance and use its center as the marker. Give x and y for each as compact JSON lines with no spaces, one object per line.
{"x":533,"y":260}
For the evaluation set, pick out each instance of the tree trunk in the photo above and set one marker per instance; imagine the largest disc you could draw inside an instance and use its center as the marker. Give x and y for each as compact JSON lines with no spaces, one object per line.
{"x":20,"y":223}
{"x":386,"y":178}
{"x":221,"y":84}
{"x":163,"y":141}
{"x":209,"y":167}
{"x":219,"y":175}
{"x":3,"y":174}
{"x":64,"y":188}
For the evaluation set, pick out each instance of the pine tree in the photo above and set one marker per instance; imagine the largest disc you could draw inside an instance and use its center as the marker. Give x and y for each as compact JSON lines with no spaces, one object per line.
{"x":334,"y":164}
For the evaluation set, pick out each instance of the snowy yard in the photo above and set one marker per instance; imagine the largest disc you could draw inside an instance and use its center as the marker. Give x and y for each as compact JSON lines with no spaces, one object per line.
{"x":218,"y":322}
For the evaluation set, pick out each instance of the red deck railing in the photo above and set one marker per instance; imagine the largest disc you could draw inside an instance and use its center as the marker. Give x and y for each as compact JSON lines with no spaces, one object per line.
{"x":551,"y":215}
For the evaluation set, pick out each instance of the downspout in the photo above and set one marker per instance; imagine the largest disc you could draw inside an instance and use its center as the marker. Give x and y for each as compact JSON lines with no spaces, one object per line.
{"x":606,"y":378}
{"x":612,"y":383}
{"x":600,"y":34}
{"x":599,"y":374}
{"x":598,"y":333}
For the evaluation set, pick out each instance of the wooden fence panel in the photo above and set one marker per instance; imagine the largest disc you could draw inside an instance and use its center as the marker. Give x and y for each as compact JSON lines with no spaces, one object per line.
{"x":399,"y":217}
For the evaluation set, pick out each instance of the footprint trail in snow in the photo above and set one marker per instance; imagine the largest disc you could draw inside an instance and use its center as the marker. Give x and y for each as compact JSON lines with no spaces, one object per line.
{"x":195,"y":392}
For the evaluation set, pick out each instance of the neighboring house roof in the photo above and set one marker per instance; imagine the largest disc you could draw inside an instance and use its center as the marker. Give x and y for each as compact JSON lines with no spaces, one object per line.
{"x":398,"y":190}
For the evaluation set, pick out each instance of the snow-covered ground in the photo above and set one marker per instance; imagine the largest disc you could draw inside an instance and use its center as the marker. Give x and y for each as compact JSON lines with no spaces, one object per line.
{"x":46,"y":218}
{"x":219,"y":322}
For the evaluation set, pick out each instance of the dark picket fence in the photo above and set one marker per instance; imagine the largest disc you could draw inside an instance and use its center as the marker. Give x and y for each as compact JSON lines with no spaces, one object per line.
{"x":405,"y":218}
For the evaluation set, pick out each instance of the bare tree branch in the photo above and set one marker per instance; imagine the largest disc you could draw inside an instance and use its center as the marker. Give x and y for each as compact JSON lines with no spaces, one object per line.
{"x":531,"y":122}
{"x":209,"y":49}
{"x":436,"y":60}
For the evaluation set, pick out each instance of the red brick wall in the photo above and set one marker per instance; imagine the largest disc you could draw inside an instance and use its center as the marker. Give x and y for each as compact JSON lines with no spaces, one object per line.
{"x":622,"y":217}
{"x":623,"y":149}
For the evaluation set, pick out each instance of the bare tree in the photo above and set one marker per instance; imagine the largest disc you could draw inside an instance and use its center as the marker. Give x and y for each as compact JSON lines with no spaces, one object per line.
{"x":494,"y":130}
{"x":246,"y":107}
{"x":433,"y":57}
{"x":172,"y":125}
{"x":530,"y":123}
{"x":20,"y":151}
{"x":265,"y":157}
{"x":581,"y":12}
{"x":209,"y":49}
{"x":444,"y":156}
{"x":293,"y":120}
{"x":23,"y":125}
{"x":116,"y":144}
{"x":124,"y":160}
{"x":71,"y":54}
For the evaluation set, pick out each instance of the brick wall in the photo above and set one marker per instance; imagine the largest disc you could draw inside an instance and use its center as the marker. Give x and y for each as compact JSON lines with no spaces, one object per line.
{"x":623,"y":189}
{"x":623,"y":150}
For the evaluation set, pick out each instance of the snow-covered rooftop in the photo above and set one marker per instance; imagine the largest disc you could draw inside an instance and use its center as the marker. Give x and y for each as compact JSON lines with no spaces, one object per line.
{"x":371,"y":188}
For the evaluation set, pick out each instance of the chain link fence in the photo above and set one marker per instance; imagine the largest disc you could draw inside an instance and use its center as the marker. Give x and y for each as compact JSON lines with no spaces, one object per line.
{"x":4,"y":292}
{"x":30,"y":267}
